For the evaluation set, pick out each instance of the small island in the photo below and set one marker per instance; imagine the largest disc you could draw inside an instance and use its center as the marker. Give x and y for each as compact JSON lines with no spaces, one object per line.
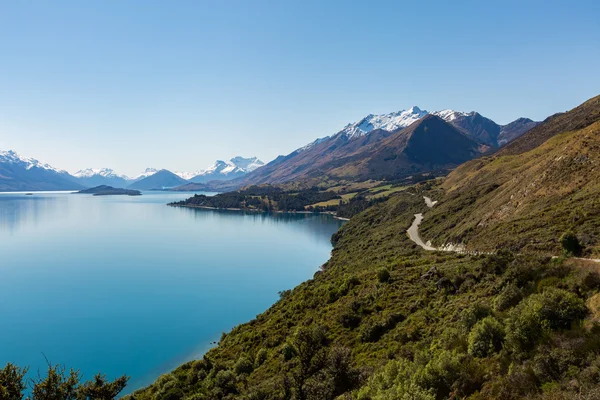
{"x":105,"y":190}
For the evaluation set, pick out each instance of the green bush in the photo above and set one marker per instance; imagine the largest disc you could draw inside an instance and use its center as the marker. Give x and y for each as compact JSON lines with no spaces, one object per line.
{"x":372,"y":331}
{"x":509,"y":297}
{"x":243,"y":366}
{"x":471,"y":315}
{"x":395,"y":381}
{"x":570,"y":243}
{"x":350,"y":319}
{"x":12,"y":382}
{"x":486,"y":337}
{"x":288,"y":351}
{"x":383,"y":275}
{"x":261,"y":357}
{"x":549,"y":282}
{"x":551,"y":310}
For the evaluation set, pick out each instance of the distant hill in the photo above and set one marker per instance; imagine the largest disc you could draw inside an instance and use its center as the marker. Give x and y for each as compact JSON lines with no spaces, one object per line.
{"x":162,"y":179}
{"x":526,"y":195}
{"x":19,"y":173}
{"x":104,"y":190}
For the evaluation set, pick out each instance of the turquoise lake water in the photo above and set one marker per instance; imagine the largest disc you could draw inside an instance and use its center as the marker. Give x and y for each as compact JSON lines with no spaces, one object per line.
{"x":127,"y":285}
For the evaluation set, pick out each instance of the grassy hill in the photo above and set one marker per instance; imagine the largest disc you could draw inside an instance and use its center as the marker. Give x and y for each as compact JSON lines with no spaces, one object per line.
{"x":384,"y":319}
{"x":525,"y":200}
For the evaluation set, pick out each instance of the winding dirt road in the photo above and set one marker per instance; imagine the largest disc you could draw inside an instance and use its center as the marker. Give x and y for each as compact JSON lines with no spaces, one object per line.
{"x":413,"y":233}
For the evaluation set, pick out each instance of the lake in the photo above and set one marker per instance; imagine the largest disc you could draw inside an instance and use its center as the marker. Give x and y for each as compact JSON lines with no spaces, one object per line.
{"x":128,"y":285}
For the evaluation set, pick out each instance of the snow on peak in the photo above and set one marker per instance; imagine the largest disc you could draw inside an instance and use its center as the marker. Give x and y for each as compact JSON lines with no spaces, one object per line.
{"x":450,"y":115}
{"x":147,"y":172}
{"x":247,"y":164}
{"x":313,"y":144}
{"x":389,"y":122}
{"x":12,"y":157}
{"x":235,"y":165}
{"x":105,"y":172}
{"x":186,"y":175}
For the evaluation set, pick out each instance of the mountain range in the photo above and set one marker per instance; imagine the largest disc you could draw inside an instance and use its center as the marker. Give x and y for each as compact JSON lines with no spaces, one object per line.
{"x":21,"y":173}
{"x":18,"y":173}
{"x":388,"y":146}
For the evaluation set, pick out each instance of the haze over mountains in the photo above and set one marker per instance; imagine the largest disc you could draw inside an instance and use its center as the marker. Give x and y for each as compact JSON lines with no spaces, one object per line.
{"x":387,"y":146}
{"x":18,"y":173}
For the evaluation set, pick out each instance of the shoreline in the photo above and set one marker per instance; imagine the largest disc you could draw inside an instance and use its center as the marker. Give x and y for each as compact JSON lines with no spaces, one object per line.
{"x":260,"y":211}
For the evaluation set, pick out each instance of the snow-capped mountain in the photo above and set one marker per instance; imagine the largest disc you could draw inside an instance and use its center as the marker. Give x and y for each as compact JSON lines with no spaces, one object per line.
{"x":186,"y":175}
{"x":23,"y":173}
{"x":146,"y":173}
{"x":471,"y":124}
{"x":450,"y":115}
{"x":12,"y":157}
{"x":93,"y":177}
{"x":226,"y":170}
{"x":105,"y":172}
{"x":389,"y":122}
{"x":326,"y":155}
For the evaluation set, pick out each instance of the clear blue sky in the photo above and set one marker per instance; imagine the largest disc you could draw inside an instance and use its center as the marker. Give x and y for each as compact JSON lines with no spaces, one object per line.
{"x":178,"y":84}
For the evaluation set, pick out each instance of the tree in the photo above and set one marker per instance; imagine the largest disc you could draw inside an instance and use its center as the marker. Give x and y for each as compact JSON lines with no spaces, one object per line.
{"x":383,"y":275}
{"x":12,"y":382}
{"x":101,"y":388}
{"x":58,"y":384}
{"x":486,"y":337}
{"x":570,"y":243}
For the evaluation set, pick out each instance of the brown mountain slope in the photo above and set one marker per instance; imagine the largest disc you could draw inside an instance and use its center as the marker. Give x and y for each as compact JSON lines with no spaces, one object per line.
{"x":430,"y":144}
{"x":525,"y":201}
{"x":579,"y":117}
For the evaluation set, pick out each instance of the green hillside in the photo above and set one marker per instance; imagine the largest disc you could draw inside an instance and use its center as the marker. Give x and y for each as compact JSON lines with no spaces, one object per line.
{"x":525,"y":201}
{"x":516,"y":317}
{"x":383,"y":319}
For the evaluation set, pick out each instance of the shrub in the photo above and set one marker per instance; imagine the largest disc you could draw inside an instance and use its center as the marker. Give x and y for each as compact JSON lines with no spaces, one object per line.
{"x":550,"y":364}
{"x":497,"y":263}
{"x":486,"y":337}
{"x":243,"y":366}
{"x":395,"y":381}
{"x":260,"y":358}
{"x":442,"y":372}
{"x":350,"y":282}
{"x":509,"y":297}
{"x":551,"y":281}
{"x":471,"y":315}
{"x":225,"y":381}
{"x":12,"y":382}
{"x":570,"y":243}
{"x":350,"y":319}
{"x":288,"y":351}
{"x":383,"y":275}
{"x":373,"y":331}
{"x":551,"y":310}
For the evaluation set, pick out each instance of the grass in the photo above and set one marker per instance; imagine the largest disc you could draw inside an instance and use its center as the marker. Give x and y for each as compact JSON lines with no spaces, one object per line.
{"x":344,"y":198}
